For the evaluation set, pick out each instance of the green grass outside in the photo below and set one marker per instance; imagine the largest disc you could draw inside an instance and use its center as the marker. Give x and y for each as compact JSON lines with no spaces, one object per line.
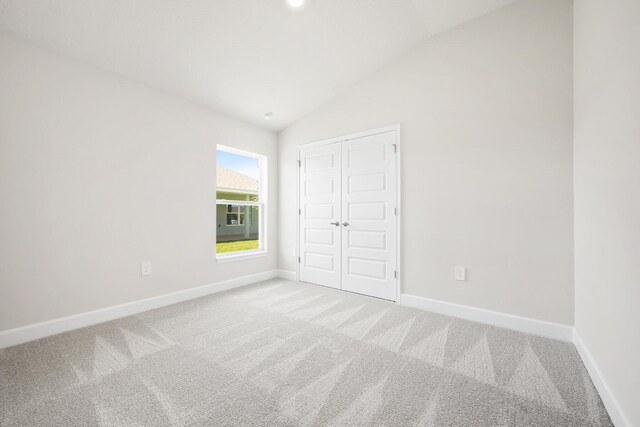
{"x":236,"y":245}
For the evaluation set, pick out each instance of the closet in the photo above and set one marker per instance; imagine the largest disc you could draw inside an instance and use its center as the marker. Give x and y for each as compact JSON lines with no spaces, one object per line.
{"x":348,"y":213}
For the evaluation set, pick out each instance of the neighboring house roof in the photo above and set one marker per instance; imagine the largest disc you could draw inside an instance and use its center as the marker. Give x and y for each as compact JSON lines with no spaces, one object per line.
{"x":231,"y":180}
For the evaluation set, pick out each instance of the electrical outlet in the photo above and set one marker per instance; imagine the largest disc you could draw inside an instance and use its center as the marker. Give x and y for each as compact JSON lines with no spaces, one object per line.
{"x":145,"y":268}
{"x":460,"y":273}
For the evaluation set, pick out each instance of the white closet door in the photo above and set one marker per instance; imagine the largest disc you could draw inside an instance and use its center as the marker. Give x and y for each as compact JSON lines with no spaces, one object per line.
{"x":369,"y":215}
{"x":320,"y":229}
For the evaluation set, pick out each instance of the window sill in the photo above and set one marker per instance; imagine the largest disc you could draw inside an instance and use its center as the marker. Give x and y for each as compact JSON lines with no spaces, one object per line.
{"x":240,"y":256}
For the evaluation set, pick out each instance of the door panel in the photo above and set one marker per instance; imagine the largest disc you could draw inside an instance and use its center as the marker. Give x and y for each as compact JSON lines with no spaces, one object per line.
{"x":320,"y":178}
{"x":320,"y":187}
{"x":319,"y":211}
{"x":367,"y":183}
{"x":366,"y":211}
{"x":319,"y":236}
{"x":369,"y":220}
{"x":367,"y":268}
{"x":363,"y":239}
{"x":318,"y":261}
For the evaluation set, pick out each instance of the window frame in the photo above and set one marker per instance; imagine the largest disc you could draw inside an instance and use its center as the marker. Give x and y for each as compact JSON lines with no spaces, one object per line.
{"x":261,"y":204}
{"x":241,"y":216}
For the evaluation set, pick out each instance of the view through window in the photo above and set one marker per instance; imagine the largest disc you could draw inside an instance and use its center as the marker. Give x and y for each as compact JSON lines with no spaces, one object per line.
{"x":240,"y":202}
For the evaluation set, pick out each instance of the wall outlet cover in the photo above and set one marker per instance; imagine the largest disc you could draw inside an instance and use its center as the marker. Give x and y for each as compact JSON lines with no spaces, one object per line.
{"x":145,"y":268}
{"x":460,"y":273}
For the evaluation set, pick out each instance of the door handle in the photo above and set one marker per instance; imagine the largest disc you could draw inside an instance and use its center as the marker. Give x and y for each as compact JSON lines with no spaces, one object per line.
{"x":346,"y":224}
{"x":337,"y":224}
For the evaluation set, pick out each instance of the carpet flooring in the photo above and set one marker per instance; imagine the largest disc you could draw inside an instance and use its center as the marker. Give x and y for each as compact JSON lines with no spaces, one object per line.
{"x":286,"y":354}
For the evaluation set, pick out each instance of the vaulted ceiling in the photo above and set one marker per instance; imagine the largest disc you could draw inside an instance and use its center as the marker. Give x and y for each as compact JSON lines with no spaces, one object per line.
{"x":240,"y":57}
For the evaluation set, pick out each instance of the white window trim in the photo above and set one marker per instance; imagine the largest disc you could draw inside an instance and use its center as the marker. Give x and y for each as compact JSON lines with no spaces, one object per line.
{"x":262,"y":204}
{"x":239,"y":256}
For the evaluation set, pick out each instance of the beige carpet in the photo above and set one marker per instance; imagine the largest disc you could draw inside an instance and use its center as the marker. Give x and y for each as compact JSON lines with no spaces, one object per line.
{"x":283,"y":353}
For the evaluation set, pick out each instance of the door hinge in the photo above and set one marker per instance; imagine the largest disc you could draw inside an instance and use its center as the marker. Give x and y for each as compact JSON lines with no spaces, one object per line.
{"x":395,"y":274}
{"x":298,"y":260}
{"x":395,"y":148}
{"x":395,"y":211}
{"x":299,"y":211}
{"x":299,"y":163}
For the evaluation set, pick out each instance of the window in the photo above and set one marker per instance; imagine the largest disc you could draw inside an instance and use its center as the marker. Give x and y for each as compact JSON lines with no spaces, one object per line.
{"x":235,"y":215}
{"x":240,"y":204}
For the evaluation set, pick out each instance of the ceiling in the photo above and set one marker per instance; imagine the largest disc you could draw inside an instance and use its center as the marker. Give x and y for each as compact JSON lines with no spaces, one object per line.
{"x":240,"y":57}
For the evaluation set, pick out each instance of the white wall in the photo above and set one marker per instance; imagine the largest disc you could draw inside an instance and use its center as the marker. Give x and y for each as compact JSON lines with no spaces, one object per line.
{"x":486,"y":112}
{"x":98,"y":174}
{"x":607,"y":192}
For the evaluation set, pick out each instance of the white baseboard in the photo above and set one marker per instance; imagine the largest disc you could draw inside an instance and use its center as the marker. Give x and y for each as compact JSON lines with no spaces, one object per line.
{"x":28,"y":333}
{"x":552,"y":330}
{"x":608,"y":399}
{"x":289,"y":275}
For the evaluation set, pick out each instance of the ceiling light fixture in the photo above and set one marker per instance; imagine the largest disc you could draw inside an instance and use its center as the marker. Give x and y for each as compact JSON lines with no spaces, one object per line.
{"x":268,"y":116}
{"x":295,"y":3}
